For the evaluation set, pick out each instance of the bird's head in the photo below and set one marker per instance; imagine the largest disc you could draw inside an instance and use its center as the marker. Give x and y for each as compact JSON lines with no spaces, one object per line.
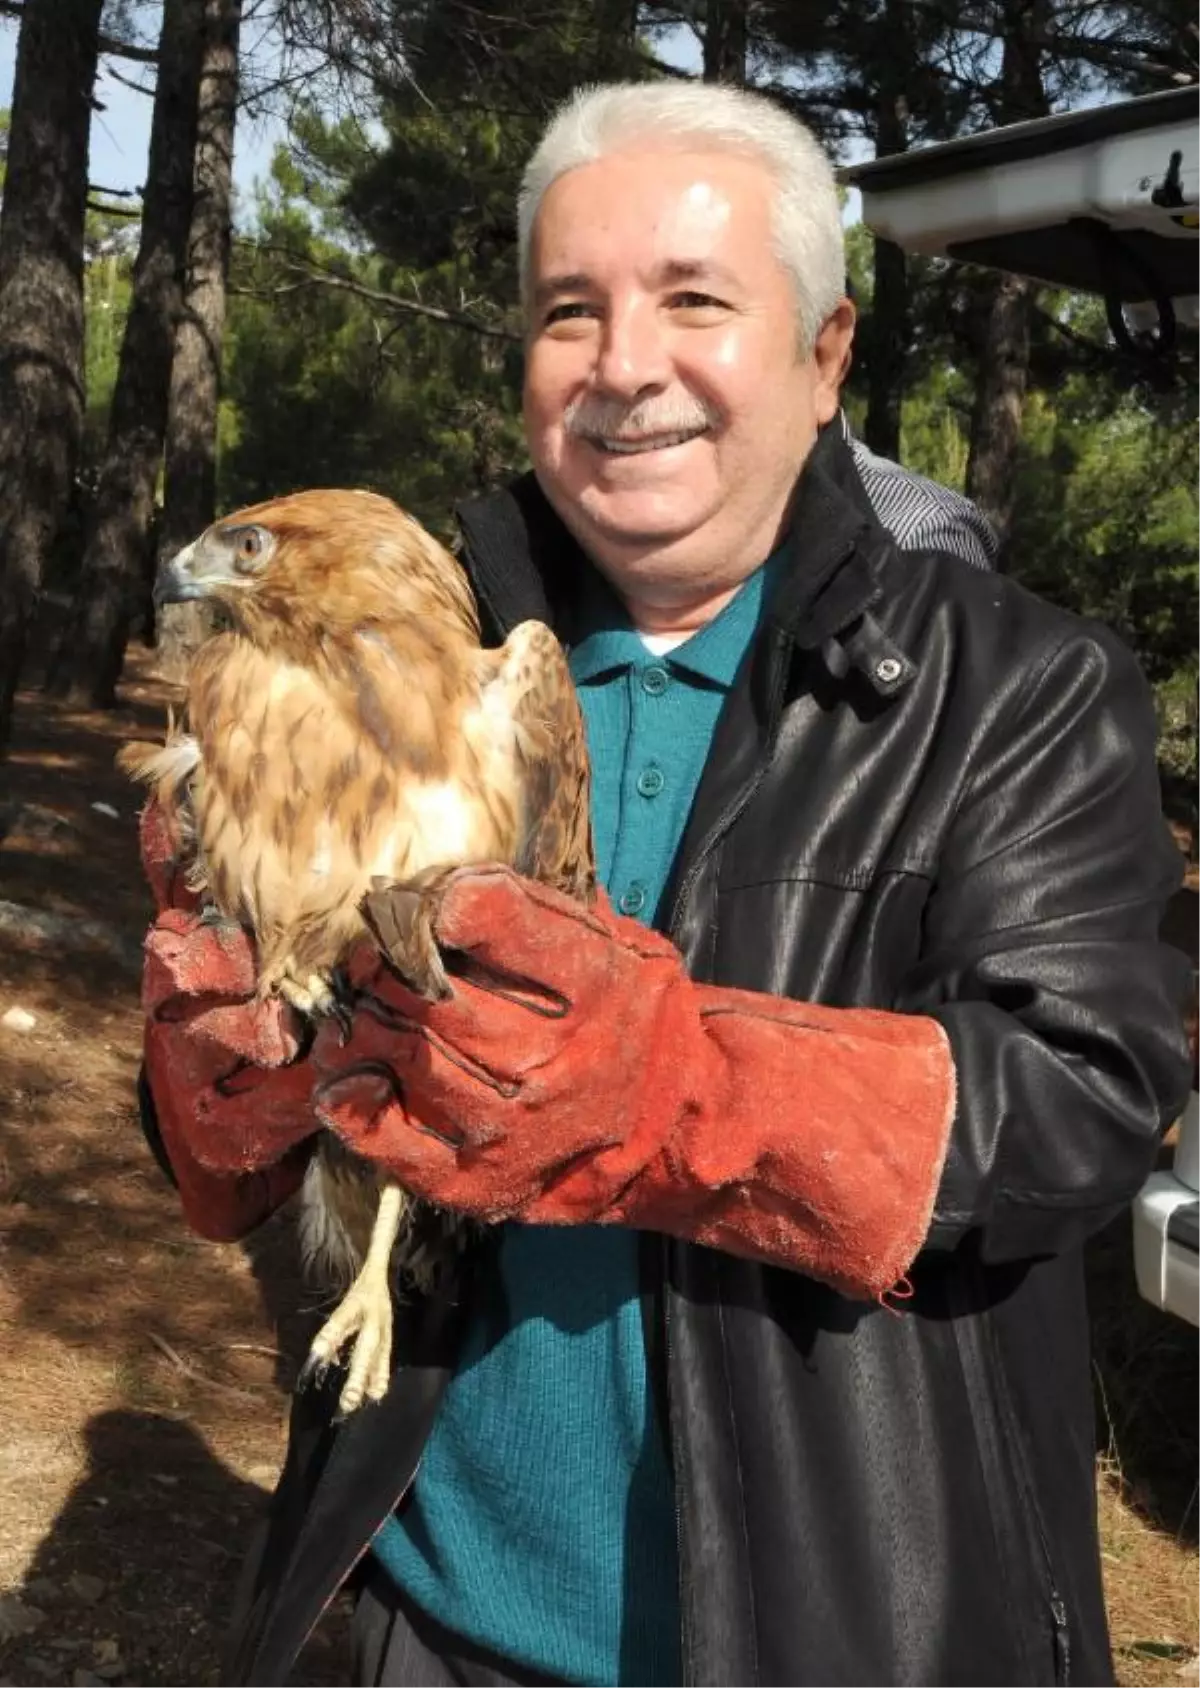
{"x":319,"y":564}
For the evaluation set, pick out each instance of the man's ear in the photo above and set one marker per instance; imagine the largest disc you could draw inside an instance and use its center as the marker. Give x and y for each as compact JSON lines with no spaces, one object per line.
{"x":831,"y":357}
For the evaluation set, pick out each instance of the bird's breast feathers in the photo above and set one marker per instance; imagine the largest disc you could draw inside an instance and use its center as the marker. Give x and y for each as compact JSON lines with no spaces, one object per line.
{"x":299,"y":806}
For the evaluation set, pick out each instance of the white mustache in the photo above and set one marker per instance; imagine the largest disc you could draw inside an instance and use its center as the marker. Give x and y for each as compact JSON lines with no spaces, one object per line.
{"x":597,"y":417}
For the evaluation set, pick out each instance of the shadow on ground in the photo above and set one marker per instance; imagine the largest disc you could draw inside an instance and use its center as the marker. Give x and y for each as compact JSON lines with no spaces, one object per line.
{"x":135,"y":1579}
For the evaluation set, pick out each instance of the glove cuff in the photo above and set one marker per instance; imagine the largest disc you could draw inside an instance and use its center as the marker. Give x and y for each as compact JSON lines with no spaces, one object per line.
{"x":814,"y":1139}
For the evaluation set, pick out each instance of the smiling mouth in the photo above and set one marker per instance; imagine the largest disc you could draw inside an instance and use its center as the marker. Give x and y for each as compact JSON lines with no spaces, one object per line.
{"x":638,"y":444}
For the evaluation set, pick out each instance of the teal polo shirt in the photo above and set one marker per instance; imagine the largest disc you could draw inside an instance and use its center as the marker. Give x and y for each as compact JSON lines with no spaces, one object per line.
{"x":542,"y":1522}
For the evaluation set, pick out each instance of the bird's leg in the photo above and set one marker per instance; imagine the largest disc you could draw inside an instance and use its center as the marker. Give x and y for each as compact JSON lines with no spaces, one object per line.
{"x":365,"y":1313}
{"x":315,"y":995}
{"x":310,"y":994}
{"x":210,"y":915}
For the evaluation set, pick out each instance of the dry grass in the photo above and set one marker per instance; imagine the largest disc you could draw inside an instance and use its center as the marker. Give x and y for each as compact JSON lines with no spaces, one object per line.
{"x":1150,"y":1585}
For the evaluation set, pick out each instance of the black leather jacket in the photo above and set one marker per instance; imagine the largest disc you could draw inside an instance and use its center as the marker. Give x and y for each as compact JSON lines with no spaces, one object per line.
{"x":928,"y":792}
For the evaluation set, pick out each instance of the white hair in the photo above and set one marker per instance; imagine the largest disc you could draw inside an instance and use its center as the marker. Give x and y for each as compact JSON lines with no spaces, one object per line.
{"x":616,"y":117}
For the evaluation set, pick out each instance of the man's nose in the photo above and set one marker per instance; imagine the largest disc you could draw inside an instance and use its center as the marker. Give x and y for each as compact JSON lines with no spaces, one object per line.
{"x":633,"y":351}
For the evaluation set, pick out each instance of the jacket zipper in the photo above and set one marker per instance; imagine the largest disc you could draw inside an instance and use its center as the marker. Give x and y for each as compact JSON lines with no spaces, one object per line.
{"x":974,"y":1346}
{"x":1058,"y":1606}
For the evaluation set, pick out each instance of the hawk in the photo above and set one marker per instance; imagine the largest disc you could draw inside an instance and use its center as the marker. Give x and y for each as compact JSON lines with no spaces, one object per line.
{"x":351,"y":733}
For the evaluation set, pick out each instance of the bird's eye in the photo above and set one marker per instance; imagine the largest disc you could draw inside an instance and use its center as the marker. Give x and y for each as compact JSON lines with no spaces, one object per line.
{"x":249,"y":547}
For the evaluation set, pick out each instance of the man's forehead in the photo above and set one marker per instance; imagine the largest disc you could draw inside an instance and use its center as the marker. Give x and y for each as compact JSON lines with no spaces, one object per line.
{"x":678,"y":216}
{"x":692,"y":183}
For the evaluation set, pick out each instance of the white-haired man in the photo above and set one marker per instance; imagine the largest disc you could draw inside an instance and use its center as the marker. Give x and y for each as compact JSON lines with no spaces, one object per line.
{"x":770,"y":1362}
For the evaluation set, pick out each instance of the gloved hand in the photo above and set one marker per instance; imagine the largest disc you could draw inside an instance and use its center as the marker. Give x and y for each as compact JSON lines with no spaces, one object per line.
{"x":224,"y":1069}
{"x":576,"y":1075}
{"x":161,"y":850}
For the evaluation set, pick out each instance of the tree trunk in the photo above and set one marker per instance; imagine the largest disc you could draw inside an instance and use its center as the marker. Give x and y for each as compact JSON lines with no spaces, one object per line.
{"x":999,"y":401}
{"x":42,"y":398}
{"x":190,"y":484}
{"x":1004,"y":352}
{"x":725,"y":41}
{"x":887,"y":349}
{"x":888,"y":328}
{"x":88,"y":663}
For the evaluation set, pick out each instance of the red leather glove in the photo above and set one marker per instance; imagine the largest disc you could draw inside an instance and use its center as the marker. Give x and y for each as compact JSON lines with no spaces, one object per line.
{"x":162,"y":850}
{"x":577,"y":1075}
{"x":230,"y":1094}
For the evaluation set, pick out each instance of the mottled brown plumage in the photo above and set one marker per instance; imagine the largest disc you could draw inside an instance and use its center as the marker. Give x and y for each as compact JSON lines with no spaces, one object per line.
{"x":353,"y":731}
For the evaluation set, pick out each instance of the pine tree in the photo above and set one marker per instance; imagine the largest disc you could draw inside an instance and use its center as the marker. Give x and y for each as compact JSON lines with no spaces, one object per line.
{"x":116,"y":558}
{"x":41,"y":307}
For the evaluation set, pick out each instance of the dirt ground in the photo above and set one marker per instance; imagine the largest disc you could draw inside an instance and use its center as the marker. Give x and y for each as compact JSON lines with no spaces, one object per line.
{"x":146,"y":1373}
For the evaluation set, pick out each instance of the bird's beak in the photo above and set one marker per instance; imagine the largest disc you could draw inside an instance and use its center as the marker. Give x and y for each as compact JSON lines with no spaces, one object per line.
{"x":176,"y":583}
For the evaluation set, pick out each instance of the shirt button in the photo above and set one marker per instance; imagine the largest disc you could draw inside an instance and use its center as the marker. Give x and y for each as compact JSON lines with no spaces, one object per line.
{"x":633,"y":899}
{"x":655,"y":681}
{"x":650,"y":781}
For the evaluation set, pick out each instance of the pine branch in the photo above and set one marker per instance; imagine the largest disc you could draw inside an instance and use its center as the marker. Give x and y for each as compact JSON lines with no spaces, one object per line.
{"x":127,"y":50}
{"x":306,"y":274}
{"x":114,"y":210}
{"x":128,"y":82}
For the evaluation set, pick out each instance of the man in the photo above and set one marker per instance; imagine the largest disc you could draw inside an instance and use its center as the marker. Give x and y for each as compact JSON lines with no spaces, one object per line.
{"x":778,"y":1372}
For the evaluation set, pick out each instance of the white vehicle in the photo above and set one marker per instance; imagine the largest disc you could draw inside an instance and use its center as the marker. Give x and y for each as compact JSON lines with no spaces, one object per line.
{"x":1100,"y":201}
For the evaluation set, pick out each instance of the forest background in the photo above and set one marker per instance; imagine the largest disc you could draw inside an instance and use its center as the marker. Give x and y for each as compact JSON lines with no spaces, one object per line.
{"x":353,"y":320}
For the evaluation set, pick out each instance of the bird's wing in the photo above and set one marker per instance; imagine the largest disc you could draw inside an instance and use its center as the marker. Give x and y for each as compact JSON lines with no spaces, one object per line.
{"x":533,"y":684}
{"x":523,"y":759}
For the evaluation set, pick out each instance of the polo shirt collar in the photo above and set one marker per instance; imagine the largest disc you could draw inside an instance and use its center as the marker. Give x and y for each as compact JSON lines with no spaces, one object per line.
{"x":606,"y":641}
{"x":609,"y":642}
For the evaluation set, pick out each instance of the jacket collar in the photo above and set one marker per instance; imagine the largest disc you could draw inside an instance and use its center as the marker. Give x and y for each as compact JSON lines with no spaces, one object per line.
{"x":525,"y":564}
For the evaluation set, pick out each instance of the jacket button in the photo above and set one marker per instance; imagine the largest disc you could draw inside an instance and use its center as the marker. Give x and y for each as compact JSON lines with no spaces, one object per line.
{"x":633,"y":900}
{"x":888,"y":669}
{"x":655,"y":681}
{"x":650,"y":781}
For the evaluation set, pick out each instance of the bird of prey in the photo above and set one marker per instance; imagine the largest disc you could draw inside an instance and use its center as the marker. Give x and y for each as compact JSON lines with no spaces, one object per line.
{"x":351,"y":732}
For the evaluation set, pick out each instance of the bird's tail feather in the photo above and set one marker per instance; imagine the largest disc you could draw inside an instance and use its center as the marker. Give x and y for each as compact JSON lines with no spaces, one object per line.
{"x":164,"y":767}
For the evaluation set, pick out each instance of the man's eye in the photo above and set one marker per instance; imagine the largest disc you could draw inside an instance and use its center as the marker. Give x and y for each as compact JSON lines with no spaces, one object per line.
{"x":572,"y":309}
{"x":689,"y":301}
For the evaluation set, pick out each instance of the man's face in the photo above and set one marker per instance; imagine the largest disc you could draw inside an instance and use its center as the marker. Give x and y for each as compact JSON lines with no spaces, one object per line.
{"x":666,"y":406}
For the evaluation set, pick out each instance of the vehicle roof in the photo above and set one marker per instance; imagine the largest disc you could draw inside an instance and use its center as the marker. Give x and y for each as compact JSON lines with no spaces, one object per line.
{"x":1102,"y":200}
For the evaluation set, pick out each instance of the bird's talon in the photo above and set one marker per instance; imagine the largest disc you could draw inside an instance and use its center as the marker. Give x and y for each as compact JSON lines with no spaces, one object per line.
{"x":313,"y":1372}
{"x":210,"y":915}
{"x":345,"y":1001}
